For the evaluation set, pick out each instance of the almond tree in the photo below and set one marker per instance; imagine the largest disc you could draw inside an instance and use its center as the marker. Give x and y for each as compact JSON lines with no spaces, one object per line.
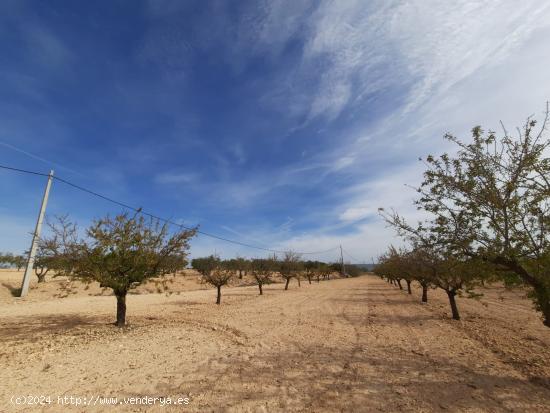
{"x":389,"y":265}
{"x":416,"y":261}
{"x":262,"y":271}
{"x":311,"y":268}
{"x":120,"y":253}
{"x":289,"y":265}
{"x":324,"y":271}
{"x":205,"y":265}
{"x":448,"y":268}
{"x":499,"y":190}
{"x":241,"y":265}
{"x":414,"y":268}
{"x":56,"y":252}
{"x":19,"y":261}
{"x":218,"y":277}
{"x":41,"y":265}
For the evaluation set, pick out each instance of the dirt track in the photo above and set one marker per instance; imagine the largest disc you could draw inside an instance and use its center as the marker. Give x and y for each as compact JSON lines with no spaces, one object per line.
{"x":343,"y":345}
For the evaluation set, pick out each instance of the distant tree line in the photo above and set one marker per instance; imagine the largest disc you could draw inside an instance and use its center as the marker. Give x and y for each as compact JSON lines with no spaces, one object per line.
{"x":288,"y":266}
{"x":8,"y":259}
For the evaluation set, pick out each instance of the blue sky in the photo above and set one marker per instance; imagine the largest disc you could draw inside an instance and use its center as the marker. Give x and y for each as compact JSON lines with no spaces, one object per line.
{"x":283,"y":124}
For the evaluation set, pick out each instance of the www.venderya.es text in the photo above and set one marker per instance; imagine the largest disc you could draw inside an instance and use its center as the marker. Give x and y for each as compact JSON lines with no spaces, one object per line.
{"x":97,"y":400}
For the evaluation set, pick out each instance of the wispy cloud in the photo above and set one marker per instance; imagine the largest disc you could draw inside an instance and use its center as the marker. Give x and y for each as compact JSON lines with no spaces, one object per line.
{"x":286,"y":122}
{"x":47,"y":49}
{"x":176,"y":178}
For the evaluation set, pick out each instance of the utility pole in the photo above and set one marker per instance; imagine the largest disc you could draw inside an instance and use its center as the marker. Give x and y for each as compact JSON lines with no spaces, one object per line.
{"x":35,"y":238}
{"x":342,"y":261}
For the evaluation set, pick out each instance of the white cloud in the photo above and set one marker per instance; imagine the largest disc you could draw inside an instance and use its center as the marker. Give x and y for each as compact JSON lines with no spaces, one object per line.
{"x":353,"y":49}
{"x":343,"y":162}
{"x":356,"y":213}
{"x":444,"y":43}
{"x":447,"y":66}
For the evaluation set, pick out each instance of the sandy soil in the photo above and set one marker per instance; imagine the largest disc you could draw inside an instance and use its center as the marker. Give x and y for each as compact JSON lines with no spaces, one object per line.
{"x":341,"y":345}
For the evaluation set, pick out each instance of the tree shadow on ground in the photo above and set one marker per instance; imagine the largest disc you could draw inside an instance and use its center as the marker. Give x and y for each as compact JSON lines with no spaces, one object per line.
{"x":397,"y":319}
{"x":314,"y":378}
{"x":31,"y":328}
{"x":14,"y":291}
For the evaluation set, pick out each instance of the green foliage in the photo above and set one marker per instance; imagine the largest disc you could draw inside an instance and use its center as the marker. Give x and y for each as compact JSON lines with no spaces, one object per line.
{"x":353,"y":270}
{"x":498,"y":189}
{"x":11,"y":260}
{"x":490,"y":211}
{"x":205,"y":265}
{"x":120,"y":253}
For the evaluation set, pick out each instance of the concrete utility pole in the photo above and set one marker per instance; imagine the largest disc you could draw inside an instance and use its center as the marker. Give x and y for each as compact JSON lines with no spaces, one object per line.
{"x":342,"y":261}
{"x":35,"y":238}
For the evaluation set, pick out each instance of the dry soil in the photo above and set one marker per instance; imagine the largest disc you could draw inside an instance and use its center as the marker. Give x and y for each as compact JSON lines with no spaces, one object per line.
{"x":341,"y":345}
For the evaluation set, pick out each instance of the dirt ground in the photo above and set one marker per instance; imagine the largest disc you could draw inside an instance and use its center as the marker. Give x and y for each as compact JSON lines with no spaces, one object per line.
{"x":341,"y":345}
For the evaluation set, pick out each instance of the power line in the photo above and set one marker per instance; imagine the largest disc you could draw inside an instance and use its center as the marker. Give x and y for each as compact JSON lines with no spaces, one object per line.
{"x":168,"y":221}
{"x":23,"y":170}
{"x":352,"y":257}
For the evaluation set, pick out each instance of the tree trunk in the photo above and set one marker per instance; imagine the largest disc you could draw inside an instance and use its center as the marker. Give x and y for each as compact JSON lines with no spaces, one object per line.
{"x":542,"y":293}
{"x":546,"y":313}
{"x":260,"y":287}
{"x":309,"y":279}
{"x":318,"y":279}
{"x":219,"y":298}
{"x":424,"y":293}
{"x":41,"y":274}
{"x":299,"y":285}
{"x":286,"y":285}
{"x":240,"y":274}
{"x":399,"y":283}
{"x":409,"y":286}
{"x":121,"y":309}
{"x":542,"y":300}
{"x":454,"y":309}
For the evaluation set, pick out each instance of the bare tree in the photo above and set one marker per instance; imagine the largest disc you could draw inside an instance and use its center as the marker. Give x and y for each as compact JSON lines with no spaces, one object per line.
{"x":262,"y":271}
{"x":218,"y":277}
{"x":310,"y":268}
{"x":324,"y":271}
{"x":289,"y":266}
